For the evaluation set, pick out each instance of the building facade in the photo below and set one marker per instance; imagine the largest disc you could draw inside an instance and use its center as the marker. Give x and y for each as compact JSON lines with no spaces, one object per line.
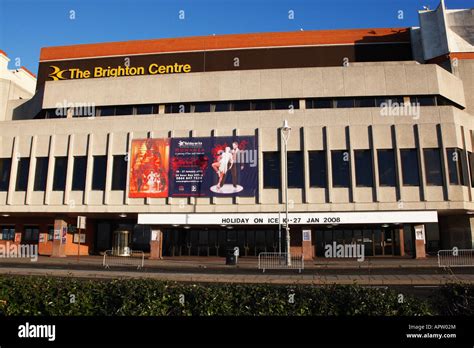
{"x":381,"y":143}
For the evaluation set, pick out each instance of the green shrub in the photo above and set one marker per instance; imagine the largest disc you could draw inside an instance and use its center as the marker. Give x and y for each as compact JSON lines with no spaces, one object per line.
{"x":456,"y":299}
{"x":70,"y":296}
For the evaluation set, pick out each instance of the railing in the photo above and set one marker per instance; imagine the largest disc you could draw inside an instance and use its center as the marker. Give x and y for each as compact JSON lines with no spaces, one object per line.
{"x":279,"y":261}
{"x":456,"y":258}
{"x":135,"y":259}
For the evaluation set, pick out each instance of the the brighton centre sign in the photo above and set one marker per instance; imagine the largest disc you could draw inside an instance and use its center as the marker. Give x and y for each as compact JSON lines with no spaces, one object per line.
{"x":117,"y":71}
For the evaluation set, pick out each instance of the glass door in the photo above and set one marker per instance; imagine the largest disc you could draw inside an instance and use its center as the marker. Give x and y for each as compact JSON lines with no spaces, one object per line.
{"x":388,"y":242}
{"x":378,"y":242}
{"x":383,"y":242}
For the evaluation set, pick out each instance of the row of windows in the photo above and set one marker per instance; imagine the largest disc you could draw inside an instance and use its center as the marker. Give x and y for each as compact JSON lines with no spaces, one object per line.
{"x":457,"y":160}
{"x":119,"y":173}
{"x":370,"y":102}
{"x":30,"y":234}
{"x":364,"y":171}
{"x":89,"y":111}
{"x":241,"y":105}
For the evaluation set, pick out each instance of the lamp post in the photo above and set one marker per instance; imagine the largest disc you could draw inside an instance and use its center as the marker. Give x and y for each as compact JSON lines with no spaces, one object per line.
{"x":285,"y":131}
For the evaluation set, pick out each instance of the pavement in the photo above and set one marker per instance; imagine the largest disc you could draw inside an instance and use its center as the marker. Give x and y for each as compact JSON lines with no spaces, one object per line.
{"x":372,"y":271}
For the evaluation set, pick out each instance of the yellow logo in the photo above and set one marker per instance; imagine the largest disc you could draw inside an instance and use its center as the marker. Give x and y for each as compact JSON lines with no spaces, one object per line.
{"x":57,"y":73}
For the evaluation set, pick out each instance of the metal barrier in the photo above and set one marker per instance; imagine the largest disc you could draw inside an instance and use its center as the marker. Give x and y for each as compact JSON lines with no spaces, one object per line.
{"x":456,"y":258}
{"x":135,"y":259}
{"x":279,"y":261}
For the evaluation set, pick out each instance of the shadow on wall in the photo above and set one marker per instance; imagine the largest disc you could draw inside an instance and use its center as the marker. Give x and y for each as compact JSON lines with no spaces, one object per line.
{"x":31,"y":108}
{"x":400,"y":47}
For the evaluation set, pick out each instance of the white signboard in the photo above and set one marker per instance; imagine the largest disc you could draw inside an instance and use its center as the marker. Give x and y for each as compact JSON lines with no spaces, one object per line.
{"x":76,"y":238}
{"x":420,"y":233}
{"x":375,"y":217}
{"x":155,"y":235}
{"x":81,"y":222}
{"x":306,"y":235}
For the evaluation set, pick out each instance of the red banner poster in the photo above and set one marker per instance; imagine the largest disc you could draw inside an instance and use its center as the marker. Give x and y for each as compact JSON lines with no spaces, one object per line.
{"x":149,"y":168}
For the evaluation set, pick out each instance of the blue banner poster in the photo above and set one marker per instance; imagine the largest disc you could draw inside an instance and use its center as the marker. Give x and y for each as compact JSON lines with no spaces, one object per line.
{"x":213,"y":166}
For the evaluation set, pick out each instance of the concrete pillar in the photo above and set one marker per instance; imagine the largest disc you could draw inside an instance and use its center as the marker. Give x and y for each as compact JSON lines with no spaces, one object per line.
{"x":306,"y":245}
{"x":89,"y":169}
{"x":60,"y":237}
{"x":31,"y":170}
{"x":420,"y":242}
{"x":156,"y":245}
{"x":401,"y":237}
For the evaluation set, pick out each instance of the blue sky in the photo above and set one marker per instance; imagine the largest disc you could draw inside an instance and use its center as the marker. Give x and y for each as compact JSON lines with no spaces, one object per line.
{"x":28,"y":25}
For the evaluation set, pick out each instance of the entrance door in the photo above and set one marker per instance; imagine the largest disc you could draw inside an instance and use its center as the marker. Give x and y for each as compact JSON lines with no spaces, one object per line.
{"x":383,"y":242}
{"x":389,"y":243}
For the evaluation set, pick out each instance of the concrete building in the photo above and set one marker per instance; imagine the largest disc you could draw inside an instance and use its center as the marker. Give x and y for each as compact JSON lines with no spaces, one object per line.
{"x":380,"y":151}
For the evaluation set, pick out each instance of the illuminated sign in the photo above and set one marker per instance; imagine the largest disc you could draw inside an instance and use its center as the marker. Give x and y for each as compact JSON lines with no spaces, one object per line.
{"x":117,"y":71}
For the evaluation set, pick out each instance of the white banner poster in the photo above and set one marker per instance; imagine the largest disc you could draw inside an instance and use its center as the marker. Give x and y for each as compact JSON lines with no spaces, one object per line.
{"x":394,"y":217}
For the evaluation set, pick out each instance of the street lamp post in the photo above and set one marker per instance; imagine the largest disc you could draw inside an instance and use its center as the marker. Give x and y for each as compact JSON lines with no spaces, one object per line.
{"x":285,"y":130}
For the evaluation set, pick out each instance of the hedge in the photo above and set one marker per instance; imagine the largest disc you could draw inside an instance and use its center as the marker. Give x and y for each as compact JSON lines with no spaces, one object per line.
{"x":52,"y":296}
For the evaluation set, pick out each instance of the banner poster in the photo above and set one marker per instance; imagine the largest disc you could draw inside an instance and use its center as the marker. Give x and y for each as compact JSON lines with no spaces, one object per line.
{"x":64,"y":235}
{"x":149,"y":168}
{"x":213,"y":166}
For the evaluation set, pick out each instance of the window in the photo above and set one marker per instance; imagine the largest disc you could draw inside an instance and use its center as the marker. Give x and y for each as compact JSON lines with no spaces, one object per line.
{"x":123,"y":110}
{"x":317,"y":169}
{"x":202,"y":107}
{"x":364,"y":102}
{"x":410,"y":168}
{"x":457,"y":166}
{"x":146,"y":109}
{"x":119,"y":173}
{"x":177,"y":108}
{"x":295,"y":169}
{"x":60,"y":169}
{"x":323,"y":103}
{"x":54,"y":113}
{"x":5,"y":167}
{"x":345,"y":103}
{"x":364,"y":168}
{"x":340,"y":168}
{"x":107,"y":111}
{"x":83,"y":111}
{"x":22,"y":174}
{"x":50,"y":232}
{"x":79,"y":173}
{"x":286,"y":104}
{"x":434,"y":175}
{"x":271,"y":170}
{"x":31,"y":235}
{"x":386,"y":164}
{"x":98,"y":173}
{"x":423,"y":100}
{"x":388,"y":100}
{"x":222,"y":106}
{"x":243,"y":105}
{"x":262,"y":105}
{"x":41,"y":173}
{"x":8,"y":232}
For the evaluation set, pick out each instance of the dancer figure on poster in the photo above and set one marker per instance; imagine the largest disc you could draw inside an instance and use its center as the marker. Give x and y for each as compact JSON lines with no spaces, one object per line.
{"x":223,"y":163}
